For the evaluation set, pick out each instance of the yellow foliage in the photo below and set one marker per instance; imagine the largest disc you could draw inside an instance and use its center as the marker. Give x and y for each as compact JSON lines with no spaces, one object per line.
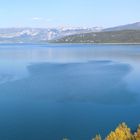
{"x":137,"y":134}
{"x":98,"y":137}
{"x":122,"y":132}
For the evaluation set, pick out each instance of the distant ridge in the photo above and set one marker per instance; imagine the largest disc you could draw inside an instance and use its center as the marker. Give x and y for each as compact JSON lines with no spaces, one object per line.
{"x":123,"y":36}
{"x":129,"y":33}
{"x":133,"y":26}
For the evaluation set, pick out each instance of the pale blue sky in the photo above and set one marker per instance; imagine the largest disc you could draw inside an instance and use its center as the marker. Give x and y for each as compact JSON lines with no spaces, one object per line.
{"x":44,"y":13}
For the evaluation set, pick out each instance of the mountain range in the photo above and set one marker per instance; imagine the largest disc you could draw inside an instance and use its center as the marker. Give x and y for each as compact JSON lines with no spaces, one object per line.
{"x":129,"y":33}
{"x":40,"y":35}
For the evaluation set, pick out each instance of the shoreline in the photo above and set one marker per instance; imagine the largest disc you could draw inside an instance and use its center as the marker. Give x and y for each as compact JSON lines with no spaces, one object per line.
{"x":70,"y":43}
{"x":101,"y":43}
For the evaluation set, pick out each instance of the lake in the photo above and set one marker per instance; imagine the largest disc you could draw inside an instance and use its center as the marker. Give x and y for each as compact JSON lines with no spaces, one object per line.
{"x":52,"y":91}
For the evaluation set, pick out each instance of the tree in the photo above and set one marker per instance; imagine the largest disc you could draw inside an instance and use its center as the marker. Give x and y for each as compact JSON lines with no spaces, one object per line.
{"x":98,"y":137}
{"x":122,"y":132}
{"x":137,"y":134}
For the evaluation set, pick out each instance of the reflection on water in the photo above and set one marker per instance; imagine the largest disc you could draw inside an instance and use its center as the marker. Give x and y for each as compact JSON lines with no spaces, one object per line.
{"x":53,"y":91}
{"x":16,"y":58}
{"x":70,"y":53}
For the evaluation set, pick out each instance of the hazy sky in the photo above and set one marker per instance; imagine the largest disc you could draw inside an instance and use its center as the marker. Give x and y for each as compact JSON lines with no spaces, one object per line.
{"x":44,"y":13}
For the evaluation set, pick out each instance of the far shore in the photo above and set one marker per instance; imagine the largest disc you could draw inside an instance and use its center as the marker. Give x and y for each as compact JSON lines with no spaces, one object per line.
{"x":101,"y":43}
{"x":69,"y":43}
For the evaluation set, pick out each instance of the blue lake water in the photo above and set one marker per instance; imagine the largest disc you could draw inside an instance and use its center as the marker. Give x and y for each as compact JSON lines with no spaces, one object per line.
{"x":52,"y":91}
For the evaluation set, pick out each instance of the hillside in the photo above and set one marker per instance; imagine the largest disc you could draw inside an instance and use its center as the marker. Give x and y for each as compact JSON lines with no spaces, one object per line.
{"x":133,"y":26}
{"x":124,"y":36}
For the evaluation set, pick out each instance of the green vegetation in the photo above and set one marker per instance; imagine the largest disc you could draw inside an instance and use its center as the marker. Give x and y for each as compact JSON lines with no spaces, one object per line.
{"x":125,"y":36}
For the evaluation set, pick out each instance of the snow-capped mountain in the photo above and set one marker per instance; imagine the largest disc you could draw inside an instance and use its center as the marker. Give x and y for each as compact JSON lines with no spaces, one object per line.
{"x":40,"y":35}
